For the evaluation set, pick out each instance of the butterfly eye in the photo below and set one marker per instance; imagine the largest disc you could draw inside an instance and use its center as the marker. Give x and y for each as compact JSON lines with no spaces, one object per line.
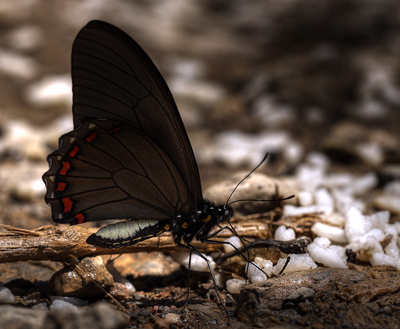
{"x":227,"y":214}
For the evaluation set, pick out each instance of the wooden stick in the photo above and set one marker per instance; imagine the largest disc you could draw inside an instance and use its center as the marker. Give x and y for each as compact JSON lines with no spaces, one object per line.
{"x":59,"y":243}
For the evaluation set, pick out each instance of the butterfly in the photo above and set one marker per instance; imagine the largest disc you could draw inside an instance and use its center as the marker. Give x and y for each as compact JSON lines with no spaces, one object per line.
{"x":129,"y":156}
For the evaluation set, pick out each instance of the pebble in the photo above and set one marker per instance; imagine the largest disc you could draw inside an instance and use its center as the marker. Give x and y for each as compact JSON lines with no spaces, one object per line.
{"x":172,"y":318}
{"x":256,"y":187}
{"x":78,"y":280}
{"x":6,"y":296}
{"x":371,"y":153}
{"x":120,"y":292}
{"x":390,"y":198}
{"x":388,"y":202}
{"x":60,"y":303}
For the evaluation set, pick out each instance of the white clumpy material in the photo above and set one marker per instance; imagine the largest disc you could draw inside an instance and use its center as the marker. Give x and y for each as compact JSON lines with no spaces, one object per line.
{"x":235,"y":241}
{"x":366,"y":233}
{"x":333,"y":233}
{"x":305,"y":198}
{"x":296,"y":263}
{"x":255,"y":274}
{"x":323,"y":252}
{"x":334,"y":198}
{"x":363,"y":184}
{"x":284,"y":234}
{"x":197,"y":264}
{"x":291,"y":210}
{"x":6,"y":296}
{"x":324,"y":201}
{"x":356,"y":225}
{"x":235,"y":285}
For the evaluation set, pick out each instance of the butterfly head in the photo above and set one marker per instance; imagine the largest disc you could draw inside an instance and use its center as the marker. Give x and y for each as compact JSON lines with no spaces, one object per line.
{"x":224,"y":213}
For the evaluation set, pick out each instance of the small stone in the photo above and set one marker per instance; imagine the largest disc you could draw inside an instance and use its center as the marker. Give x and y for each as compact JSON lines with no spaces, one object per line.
{"x":78,"y":280}
{"x":388,"y":202}
{"x":172,"y":318}
{"x":6,"y":296}
{"x":21,"y":317}
{"x":386,"y":310}
{"x":40,"y":306}
{"x":120,"y":292}
{"x":256,"y":187}
{"x":60,"y":304}
{"x":99,"y":316}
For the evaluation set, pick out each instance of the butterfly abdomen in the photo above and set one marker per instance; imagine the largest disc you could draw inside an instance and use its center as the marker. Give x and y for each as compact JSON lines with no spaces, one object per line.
{"x":127,"y":233}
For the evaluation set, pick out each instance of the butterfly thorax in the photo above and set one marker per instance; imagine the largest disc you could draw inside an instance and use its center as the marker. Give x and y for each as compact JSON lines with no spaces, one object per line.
{"x":200,"y":222}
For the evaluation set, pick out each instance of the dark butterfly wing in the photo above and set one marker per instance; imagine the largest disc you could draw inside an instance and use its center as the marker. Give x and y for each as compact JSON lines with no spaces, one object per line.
{"x":98,"y":172}
{"x":114,"y":79}
{"x":129,"y":155}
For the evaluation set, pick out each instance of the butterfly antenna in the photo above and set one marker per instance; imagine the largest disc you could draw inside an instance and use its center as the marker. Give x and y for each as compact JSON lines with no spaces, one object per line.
{"x":247,"y":176}
{"x":258,"y":200}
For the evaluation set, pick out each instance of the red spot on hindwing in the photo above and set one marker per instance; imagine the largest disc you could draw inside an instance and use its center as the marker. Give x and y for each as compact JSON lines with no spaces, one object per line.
{"x":80,"y":218}
{"x":65,"y":167}
{"x":74,"y":151}
{"x":112,"y":131}
{"x":68,"y":203}
{"x":61,"y":186}
{"x":91,"y":137}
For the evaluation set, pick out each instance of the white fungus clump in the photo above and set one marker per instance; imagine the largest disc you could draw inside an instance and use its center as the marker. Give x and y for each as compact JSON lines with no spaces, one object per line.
{"x":284,"y":234}
{"x":329,"y":255}
{"x":197,"y":263}
{"x":234,"y":286}
{"x":233,"y":240}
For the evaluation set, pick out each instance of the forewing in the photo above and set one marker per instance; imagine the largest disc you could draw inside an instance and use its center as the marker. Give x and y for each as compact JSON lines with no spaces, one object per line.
{"x":114,"y":79}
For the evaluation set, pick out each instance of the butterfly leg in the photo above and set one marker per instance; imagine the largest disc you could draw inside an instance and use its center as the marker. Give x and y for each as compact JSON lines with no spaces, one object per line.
{"x":231,"y":229}
{"x":188,"y":287}
{"x":193,"y":249}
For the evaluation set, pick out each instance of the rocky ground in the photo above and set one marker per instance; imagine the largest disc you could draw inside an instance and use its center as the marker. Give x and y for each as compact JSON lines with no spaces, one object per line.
{"x":315,"y":84}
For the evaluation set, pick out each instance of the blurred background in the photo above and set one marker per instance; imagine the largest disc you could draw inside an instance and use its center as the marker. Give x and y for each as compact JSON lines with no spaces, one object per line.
{"x":288,"y":77}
